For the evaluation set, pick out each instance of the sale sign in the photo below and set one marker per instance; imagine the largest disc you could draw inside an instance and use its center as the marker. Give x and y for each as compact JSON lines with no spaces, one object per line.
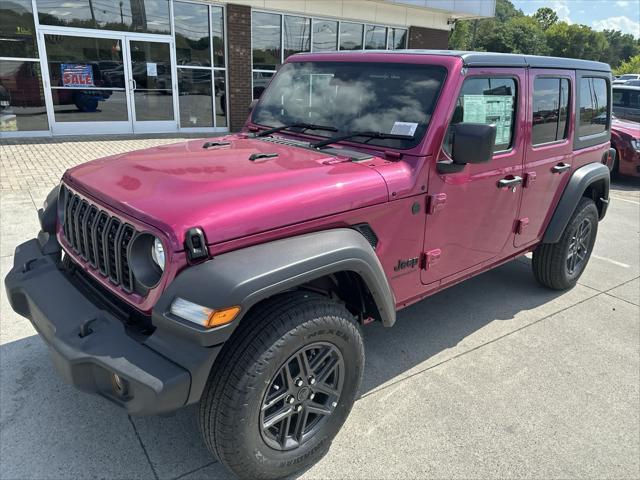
{"x":76,"y":75}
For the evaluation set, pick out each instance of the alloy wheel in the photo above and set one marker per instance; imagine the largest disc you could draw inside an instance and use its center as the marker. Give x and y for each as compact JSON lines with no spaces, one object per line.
{"x":579,"y":247}
{"x":302,"y":395}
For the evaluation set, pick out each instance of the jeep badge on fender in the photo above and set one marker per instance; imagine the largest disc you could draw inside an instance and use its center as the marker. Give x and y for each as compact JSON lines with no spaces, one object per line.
{"x":240,"y":272}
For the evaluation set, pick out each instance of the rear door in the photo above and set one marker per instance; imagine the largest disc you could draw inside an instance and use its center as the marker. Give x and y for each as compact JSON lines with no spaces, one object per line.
{"x":472,"y":215}
{"x":549,"y":149}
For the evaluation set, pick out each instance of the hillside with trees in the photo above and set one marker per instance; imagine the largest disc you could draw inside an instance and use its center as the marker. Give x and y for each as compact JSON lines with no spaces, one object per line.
{"x":511,"y":31}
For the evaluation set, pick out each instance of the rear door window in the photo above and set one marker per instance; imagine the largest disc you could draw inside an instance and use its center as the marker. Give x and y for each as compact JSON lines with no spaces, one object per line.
{"x":594,"y":116}
{"x":550,"y":107}
{"x":489,"y":100}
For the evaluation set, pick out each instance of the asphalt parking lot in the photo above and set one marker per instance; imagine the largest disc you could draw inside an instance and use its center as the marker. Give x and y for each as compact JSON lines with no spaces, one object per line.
{"x":494,"y":378}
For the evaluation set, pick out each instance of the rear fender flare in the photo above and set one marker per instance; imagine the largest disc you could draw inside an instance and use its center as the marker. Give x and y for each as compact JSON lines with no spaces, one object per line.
{"x":578,"y":184}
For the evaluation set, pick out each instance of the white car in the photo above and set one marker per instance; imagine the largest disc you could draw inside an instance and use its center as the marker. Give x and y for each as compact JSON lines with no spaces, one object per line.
{"x":625,"y":78}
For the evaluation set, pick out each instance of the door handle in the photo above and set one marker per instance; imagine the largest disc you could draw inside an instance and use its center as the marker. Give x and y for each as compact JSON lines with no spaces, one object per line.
{"x":509,"y":182}
{"x":561,"y":167}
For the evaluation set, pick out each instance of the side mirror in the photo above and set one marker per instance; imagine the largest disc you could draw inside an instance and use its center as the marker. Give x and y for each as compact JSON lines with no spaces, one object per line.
{"x":472,"y":143}
{"x":252,"y":105}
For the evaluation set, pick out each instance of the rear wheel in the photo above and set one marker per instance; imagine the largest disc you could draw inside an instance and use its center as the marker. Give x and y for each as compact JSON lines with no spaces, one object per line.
{"x":283,"y":387}
{"x":560,"y":265}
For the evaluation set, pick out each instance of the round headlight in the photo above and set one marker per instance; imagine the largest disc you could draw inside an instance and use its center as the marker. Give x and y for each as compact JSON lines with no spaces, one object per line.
{"x":157,"y":253}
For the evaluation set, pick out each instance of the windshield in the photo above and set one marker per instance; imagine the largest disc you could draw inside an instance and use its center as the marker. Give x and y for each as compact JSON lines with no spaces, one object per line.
{"x":354,"y":97}
{"x":627,"y":77}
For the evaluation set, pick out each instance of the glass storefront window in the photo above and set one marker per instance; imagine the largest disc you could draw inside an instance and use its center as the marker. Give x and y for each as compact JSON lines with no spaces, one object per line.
{"x":260,"y":82}
{"x":217,"y":35}
{"x":351,"y":36}
{"x":265,"y":35}
{"x":296,"y":35}
{"x":191,"y":23}
{"x":220,"y":85}
{"x":375,"y":38}
{"x":22,"y":105}
{"x":148,"y":16}
{"x":325,"y":36}
{"x":397,"y":38}
{"x":196,"y":101}
{"x":17,"y":29}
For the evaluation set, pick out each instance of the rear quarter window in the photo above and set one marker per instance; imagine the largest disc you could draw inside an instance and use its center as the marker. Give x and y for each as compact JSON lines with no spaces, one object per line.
{"x":594,"y":114}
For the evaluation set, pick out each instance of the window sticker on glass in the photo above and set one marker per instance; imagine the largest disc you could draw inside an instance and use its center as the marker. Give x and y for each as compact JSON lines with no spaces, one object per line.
{"x":152,"y":69}
{"x":404,"y":128}
{"x":490,"y":109}
{"x":76,"y":75}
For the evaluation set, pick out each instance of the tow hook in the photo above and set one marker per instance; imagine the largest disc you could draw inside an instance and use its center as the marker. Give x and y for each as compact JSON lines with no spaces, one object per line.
{"x":85,"y":329}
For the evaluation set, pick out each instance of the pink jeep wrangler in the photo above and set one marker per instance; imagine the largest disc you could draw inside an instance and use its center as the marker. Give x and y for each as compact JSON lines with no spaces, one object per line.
{"x":237,"y":272}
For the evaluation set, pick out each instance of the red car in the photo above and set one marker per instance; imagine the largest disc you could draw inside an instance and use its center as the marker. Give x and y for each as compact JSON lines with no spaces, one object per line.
{"x":625,"y":138}
{"x":238,"y":272}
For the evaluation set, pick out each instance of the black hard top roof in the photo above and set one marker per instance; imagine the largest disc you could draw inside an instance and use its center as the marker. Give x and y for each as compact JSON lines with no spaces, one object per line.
{"x":491,"y":59}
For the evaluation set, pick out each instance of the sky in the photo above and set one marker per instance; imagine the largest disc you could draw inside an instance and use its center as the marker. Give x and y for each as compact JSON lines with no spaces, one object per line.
{"x":621,"y":15}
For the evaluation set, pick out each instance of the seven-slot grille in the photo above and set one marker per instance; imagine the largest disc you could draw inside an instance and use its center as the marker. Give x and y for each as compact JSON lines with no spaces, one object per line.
{"x":99,"y":238}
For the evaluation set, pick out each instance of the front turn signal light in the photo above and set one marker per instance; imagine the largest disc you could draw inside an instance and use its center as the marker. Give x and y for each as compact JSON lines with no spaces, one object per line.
{"x":203,"y":316}
{"x":222,"y":317}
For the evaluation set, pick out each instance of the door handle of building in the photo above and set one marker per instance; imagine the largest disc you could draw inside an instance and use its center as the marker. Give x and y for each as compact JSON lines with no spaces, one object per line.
{"x":134,"y":85}
{"x":561,"y":167}
{"x":509,"y":182}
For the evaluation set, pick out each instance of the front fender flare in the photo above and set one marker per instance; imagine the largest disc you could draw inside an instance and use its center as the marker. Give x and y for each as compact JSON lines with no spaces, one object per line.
{"x":577,"y":185}
{"x":245,"y":277}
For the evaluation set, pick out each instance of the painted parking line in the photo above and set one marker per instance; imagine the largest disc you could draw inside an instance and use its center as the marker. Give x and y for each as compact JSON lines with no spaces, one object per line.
{"x":625,"y":200}
{"x":620,"y":264}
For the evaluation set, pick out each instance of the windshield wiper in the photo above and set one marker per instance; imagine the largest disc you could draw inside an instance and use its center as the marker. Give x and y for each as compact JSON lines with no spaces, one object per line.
{"x":303,"y":126}
{"x":371,"y":135}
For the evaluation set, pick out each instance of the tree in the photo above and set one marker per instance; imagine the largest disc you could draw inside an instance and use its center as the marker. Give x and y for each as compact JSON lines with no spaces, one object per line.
{"x":630,"y":66}
{"x":622,"y":46}
{"x":546,"y":17}
{"x":460,"y":36}
{"x":518,"y":35}
{"x":576,"y":41}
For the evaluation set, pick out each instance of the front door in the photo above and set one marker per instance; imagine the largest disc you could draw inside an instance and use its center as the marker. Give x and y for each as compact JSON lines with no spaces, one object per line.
{"x":152,"y":92}
{"x":473,"y":214}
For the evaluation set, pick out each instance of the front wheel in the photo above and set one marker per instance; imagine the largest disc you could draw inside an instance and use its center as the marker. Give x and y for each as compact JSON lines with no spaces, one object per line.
{"x":560,"y":265}
{"x":283,"y":387}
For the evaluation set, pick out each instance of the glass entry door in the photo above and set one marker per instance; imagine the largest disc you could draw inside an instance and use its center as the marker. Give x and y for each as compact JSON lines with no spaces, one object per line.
{"x":151,"y":86}
{"x":109,"y":83}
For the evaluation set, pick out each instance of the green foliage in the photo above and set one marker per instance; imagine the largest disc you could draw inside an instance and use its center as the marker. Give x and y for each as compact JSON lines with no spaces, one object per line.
{"x":518,"y":35}
{"x":630,"y":66}
{"x":577,"y":41}
{"x":541,"y":34}
{"x":545,"y":17}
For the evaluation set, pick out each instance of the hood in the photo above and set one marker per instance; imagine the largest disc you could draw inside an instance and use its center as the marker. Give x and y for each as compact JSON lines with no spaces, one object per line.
{"x":219,"y":189}
{"x":625,"y":126}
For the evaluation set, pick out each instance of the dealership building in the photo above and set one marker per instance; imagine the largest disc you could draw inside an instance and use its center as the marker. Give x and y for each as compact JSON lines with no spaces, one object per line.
{"x":151,"y":66}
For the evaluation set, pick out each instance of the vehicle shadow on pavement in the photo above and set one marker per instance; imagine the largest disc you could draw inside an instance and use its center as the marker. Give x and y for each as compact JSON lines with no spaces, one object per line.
{"x":79,"y":435}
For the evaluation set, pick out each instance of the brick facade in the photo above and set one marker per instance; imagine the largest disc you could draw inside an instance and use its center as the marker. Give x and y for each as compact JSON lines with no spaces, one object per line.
{"x":429,"y":38}
{"x":239,"y":64}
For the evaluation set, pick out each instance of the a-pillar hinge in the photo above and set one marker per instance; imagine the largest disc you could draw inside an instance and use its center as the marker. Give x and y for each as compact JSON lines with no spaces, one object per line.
{"x":435,"y":203}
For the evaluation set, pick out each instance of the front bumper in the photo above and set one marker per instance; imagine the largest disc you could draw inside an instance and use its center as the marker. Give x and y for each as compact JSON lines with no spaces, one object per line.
{"x":88,"y":342}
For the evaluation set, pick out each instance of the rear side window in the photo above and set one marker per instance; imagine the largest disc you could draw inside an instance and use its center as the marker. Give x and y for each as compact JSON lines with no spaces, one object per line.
{"x":594,"y":116}
{"x":550,"y":107}
{"x":619,"y":98}
{"x":634,"y":99}
{"x":489,"y":100}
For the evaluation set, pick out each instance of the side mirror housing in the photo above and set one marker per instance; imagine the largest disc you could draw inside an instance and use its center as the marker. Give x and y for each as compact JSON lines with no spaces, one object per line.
{"x":472,"y":143}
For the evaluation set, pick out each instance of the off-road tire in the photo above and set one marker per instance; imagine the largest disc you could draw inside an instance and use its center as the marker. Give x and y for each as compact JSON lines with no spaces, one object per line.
{"x":550,"y":259}
{"x":230,"y":407}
